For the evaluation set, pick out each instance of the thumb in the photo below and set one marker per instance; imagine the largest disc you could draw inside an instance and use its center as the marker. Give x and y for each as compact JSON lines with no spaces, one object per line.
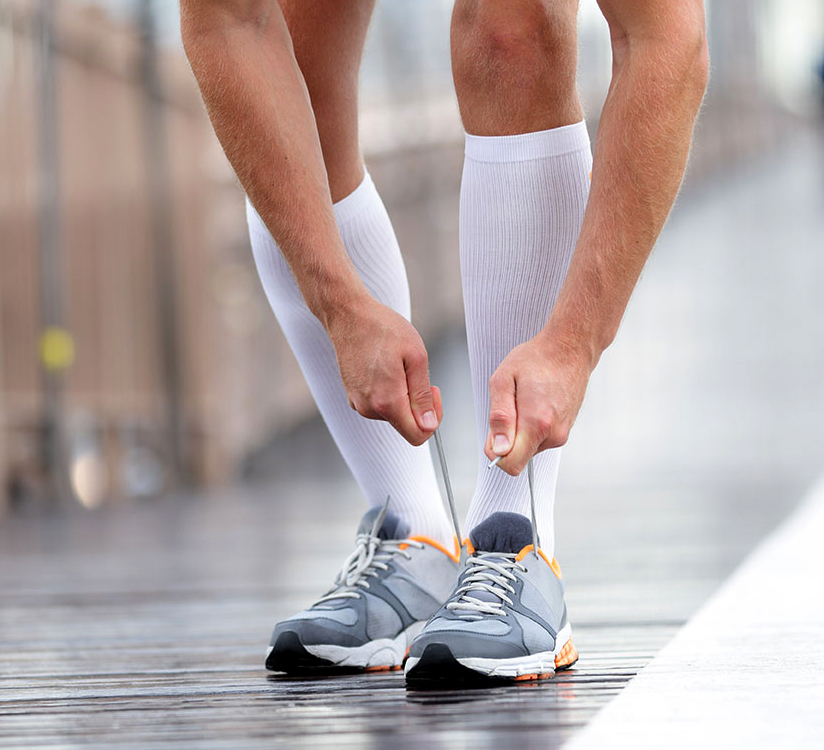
{"x":436,"y":399}
{"x":503,"y":416}
{"x":421,"y":398}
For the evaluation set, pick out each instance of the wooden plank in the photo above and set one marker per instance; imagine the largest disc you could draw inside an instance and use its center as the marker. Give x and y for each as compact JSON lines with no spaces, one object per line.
{"x":146,"y":627}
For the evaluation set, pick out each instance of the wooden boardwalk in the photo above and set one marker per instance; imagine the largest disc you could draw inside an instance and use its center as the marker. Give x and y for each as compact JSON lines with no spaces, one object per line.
{"x":146,"y":626}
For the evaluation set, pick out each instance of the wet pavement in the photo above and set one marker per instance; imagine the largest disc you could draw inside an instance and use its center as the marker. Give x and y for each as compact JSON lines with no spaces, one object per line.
{"x":146,"y":626}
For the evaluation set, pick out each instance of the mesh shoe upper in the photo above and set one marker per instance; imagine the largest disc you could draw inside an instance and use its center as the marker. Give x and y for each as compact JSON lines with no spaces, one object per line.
{"x":386,"y":585}
{"x":508,"y":601}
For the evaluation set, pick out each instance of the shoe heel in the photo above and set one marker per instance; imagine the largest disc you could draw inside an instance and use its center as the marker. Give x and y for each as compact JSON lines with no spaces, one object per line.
{"x":567,"y":657}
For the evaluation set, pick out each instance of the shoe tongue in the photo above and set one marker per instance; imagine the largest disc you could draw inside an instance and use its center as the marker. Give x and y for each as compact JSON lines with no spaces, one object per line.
{"x":393,"y":527}
{"x":502,"y":532}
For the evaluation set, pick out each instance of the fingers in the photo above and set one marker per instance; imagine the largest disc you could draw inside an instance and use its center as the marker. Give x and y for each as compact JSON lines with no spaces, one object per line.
{"x":503,"y":415}
{"x":392,"y":403}
{"x":522,"y":422}
{"x":385,"y":371}
{"x":421,"y":399}
{"x":393,"y":407}
{"x":516,"y":460}
{"x":537,"y":431}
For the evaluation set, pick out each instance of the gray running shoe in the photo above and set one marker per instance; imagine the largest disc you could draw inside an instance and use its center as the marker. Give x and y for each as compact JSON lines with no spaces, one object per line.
{"x":385,"y":592}
{"x":505,"y":620}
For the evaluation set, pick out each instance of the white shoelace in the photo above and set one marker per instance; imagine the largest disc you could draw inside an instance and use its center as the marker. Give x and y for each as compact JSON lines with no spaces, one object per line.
{"x":530,"y":472}
{"x":371,"y":555}
{"x":490,"y":572}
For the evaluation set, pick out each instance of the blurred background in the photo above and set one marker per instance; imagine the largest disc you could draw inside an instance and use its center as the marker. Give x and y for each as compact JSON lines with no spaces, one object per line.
{"x":167,"y":490}
{"x":138,"y":355}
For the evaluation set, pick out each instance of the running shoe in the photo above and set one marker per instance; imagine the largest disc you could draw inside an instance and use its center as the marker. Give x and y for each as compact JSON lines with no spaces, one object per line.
{"x":505,"y":620}
{"x":387,"y":589}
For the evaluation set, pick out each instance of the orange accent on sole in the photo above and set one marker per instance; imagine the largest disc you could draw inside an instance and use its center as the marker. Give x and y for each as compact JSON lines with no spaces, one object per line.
{"x":567,"y":657}
{"x":534,"y":676}
{"x":384,"y":668}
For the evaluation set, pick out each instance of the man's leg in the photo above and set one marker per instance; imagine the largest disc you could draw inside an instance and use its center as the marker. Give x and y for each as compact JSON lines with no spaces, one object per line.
{"x":328,"y":37}
{"x":524,"y":190}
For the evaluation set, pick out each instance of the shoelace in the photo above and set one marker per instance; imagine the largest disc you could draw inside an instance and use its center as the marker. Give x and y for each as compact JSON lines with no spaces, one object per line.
{"x":490,"y":572}
{"x":485,"y":571}
{"x":371,"y":555}
{"x":530,"y":472}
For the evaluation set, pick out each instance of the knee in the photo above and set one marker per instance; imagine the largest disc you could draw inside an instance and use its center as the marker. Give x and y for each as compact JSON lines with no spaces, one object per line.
{"x":523,"y":40}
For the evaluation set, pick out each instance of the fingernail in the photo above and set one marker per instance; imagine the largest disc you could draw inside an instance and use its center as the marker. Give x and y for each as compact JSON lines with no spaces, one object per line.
{"x":429,"y":420}
{"x":500,"y":444}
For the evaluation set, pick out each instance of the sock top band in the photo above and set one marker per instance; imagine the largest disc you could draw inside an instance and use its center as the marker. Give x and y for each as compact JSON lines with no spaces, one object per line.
{"x":354,"y":203}
{"x":541,"y":144}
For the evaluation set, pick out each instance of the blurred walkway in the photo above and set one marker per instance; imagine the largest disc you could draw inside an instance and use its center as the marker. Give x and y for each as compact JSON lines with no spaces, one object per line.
{"x":147,"y":626}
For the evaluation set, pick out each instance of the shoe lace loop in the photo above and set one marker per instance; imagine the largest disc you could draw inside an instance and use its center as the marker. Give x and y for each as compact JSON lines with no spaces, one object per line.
{"x":490,"y":573}
{"x":370,"y":556}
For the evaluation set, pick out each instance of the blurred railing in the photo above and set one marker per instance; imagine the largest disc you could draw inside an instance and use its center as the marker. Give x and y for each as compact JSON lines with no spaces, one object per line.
{"x":164,"y":344}
{"x":114,"y":420}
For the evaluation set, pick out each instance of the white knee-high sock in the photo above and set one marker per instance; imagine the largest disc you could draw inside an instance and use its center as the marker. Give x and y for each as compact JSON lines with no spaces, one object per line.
{"x":522,"y":202}
{"x":382,"y":462}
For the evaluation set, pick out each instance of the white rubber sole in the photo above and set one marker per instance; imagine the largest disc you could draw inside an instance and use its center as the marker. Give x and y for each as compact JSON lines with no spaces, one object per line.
{"x":541,"y":663}
{"x":382,"y":653}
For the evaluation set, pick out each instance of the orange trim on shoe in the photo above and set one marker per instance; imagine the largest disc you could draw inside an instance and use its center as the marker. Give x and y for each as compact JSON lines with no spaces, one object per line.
{"x":567,"y":657}
{"x":552,"y":564}
{"x":456,"y":555}
{"x":534,"y":676}
{"x":470,"y":548}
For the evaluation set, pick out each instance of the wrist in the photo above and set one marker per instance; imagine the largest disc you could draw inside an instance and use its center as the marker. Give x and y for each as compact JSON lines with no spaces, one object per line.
{"x":571,"y":343}
{"x":339,"y":302}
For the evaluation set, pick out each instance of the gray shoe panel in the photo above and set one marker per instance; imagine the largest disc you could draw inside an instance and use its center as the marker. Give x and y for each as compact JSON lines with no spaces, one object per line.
{"x":318,"y":632}
{"x":535,"y":637}
{"x":543,"y":591}
{"x":529,"y":625}
{"x":346,"y":616}
{"x":488,"y":626}
{"x":396,"y":598}
{"x":467,"y":645}
{"x":382,"y":589}
{"x":432,"y":570}
{"x":418,"y":602}
{"x":383,"y":620}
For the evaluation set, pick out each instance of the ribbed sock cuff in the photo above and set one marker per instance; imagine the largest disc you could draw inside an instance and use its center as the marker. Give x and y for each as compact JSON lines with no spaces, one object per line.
{"x":357,"y":201}
{"x":541,"y":144}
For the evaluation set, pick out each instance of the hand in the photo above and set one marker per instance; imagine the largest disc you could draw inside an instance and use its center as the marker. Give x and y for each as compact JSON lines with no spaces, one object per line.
{"x":385,"y":369}
{"x":535,"y":395}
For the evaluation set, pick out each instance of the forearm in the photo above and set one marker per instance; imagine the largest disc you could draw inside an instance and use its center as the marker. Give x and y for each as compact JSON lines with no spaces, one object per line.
{"x":241,"y":55}
{"x":640,"y":154}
